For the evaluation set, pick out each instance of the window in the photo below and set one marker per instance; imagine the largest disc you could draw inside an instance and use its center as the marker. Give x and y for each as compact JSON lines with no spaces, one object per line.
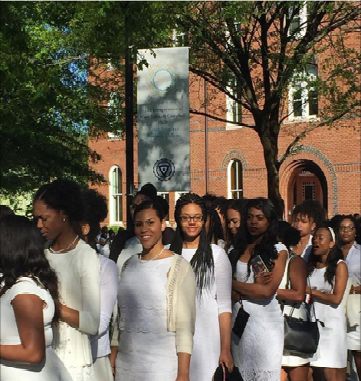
{"x":115,"y":195}
{"x":303,"y":95}
{"x":298,"y":24}
{"x":309,"y":191}
{"x":179,"y":38}
{"x":235,"y":180}
{"x":234,"y":108}
{"x":114,"y":116}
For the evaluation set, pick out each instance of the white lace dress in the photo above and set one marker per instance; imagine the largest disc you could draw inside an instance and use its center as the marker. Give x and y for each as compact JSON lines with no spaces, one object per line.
{"x":258,"y":354}
{"x":209,"y":305}
{"x":147,"y":351}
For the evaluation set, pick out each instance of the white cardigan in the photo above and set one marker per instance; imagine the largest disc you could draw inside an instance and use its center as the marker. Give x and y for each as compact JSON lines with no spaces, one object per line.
{"x":78,"y":272}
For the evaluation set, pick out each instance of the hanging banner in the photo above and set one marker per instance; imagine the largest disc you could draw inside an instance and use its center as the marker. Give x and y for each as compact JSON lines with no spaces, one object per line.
{"x":163,"y":119}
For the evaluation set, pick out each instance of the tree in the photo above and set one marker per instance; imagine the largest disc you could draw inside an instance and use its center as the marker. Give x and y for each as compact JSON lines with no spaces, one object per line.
{"x":49,"y":107}
{"x":265,"y":47}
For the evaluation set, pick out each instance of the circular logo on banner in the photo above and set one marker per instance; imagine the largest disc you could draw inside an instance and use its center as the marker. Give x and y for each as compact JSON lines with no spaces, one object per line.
{"x":164,"y":169}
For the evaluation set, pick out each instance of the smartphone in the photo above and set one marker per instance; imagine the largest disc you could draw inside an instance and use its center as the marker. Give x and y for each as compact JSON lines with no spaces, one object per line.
{"x":258,"y":266}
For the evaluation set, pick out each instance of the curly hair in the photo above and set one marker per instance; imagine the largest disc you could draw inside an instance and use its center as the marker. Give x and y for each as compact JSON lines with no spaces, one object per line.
{"x":95,"y":211}
{"x":22,"y":254}
{"x":64,"y":195}
{"x":202,"y":261}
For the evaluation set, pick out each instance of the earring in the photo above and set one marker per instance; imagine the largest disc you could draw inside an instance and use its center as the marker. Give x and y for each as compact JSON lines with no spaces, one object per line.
{"x":64,"y":219}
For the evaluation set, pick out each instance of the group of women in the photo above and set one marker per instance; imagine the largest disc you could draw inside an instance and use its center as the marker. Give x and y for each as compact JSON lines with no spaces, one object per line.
{"x":176,"y":304}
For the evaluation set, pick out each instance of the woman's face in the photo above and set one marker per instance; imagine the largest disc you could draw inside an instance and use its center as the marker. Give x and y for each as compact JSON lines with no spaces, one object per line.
{"x":50,"y":222}
{"x":148,"y":228}
{"x":191,"y":221}
{"x":347,"y":231}
{"x":257,"y":222}
{"x":233,"y":221}
{"x":322,"y":242}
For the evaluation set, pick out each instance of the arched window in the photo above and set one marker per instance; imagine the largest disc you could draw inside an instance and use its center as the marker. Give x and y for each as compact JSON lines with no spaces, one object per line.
{"x":235,"y":179}
{"x":115,"y":195}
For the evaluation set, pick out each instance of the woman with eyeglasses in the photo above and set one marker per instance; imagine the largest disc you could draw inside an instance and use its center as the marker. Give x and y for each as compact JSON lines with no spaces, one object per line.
{"x":212,"y":338}
{"x":156,"y":299}
{"x":352,"y":255}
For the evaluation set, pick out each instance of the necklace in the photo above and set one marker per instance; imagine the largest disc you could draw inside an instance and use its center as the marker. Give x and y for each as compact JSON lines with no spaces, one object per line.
{"x":64,"y":250}
{"x":151,"y":259}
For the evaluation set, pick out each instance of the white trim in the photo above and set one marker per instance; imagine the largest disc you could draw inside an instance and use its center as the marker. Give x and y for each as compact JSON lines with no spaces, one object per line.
{"x":229,"y":184}
{"x":112,"y":195}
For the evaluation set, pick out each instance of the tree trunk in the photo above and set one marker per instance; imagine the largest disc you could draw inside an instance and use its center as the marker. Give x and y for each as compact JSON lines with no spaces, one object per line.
{"x":270,"y":153}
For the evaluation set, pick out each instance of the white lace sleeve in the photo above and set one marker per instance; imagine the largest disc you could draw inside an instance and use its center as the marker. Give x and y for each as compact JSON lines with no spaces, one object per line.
{"x":223,"y":277}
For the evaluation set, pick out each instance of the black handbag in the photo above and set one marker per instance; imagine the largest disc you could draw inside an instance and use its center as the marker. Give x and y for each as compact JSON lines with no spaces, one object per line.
{"x":301,"y":336}
{"x":240,"y":321}
{"x":222,"y":374}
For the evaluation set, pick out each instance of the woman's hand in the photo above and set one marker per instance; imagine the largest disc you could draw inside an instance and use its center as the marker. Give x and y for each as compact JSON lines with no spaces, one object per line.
{"x":236,"y":296}
{"x":263,"y":278}
{"x":182,"y":378}
{"x":226,"y":359}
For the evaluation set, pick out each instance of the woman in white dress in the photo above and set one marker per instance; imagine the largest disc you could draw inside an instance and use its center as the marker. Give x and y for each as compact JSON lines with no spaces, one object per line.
{"x":27,"y":294}
{"x":95,"y":212}
{"x":351,"y":250}
{"x":58,"y":211}
{"x":156,"y":300}
{"x":328,"y":283}
{"x":212,"y":338}
{"x":258,"y":269}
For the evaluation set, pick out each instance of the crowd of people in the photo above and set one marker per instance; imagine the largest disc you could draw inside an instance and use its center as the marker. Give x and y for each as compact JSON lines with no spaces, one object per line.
{"x":210,"y":298}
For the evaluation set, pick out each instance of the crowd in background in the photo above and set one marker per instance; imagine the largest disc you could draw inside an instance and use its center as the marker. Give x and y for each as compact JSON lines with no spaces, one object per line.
{"x":80,"y":302}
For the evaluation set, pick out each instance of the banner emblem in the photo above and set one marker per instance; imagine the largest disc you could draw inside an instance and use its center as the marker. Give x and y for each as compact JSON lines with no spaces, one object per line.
{"x":164,"y":169}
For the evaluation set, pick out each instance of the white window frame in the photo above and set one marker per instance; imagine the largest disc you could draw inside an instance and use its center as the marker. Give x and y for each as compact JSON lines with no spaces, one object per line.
{"x":301,"y":84}
{"x":302,"y":24}
{"x":115,"y":196}
{"x":178,"y":38}
{"x":233,"y":109}
{"x":116,"y":135}
{"x":238,"y":181}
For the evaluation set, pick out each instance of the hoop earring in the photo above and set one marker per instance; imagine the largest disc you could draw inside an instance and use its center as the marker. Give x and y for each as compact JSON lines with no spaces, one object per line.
{"x":64,"y":219}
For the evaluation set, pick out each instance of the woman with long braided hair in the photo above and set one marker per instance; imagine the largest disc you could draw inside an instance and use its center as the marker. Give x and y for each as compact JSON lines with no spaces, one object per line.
{"x":212,"y":338}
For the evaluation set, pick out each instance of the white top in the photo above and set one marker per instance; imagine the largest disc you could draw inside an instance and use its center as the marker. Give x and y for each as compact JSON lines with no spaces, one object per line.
{"x":108,"y":296}
{"x":51,"y":369}
{"x":353,"y":260}
{"x":209,"y":305}
{"x":78,"y":273}
{"x":147,"y":349}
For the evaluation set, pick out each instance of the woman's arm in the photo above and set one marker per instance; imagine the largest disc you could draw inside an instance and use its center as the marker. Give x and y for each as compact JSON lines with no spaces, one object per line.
{"x":28,"y":310}
{"x":297,"y":275}
{"x":225,"y":328}
{"x":223,"y":280}
{"x":341,"y":277}
{"x":265,"y":290}
{"x":184,"y":360}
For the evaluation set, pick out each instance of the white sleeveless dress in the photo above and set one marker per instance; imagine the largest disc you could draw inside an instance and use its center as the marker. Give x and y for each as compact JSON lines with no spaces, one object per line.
{"x":258,"y":354}
{"x":147,"y":351}
{"x":332,"y":347}
{"x":51,"y":369}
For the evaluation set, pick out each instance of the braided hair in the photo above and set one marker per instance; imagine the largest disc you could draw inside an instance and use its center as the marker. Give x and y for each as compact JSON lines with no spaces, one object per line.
{"x":202,"y":261}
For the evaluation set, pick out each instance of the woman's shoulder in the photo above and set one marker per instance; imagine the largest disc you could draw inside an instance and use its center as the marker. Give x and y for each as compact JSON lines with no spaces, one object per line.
{"x":218,"y":251}
{"x":281,"y":247}
{"x":26,"y":285}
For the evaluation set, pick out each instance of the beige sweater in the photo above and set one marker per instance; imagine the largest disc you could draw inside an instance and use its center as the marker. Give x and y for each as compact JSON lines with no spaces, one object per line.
{"x":181,"y":306}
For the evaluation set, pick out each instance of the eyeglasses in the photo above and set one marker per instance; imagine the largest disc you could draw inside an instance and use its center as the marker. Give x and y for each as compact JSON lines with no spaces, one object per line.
{"x":196,"y":218}
{"x":347,"y":228}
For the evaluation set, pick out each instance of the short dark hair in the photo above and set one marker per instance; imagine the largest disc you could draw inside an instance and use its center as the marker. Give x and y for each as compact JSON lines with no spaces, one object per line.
{"x":312,"y":209}
{"x":150,"y":204}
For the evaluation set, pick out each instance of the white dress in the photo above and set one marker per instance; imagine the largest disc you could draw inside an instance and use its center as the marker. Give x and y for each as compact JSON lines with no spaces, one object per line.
{"x":51,"y":369}
{"x":258,"y":354}
{"x":211,"y":303}
{"x":287,"y":360}
{"x":353,"y":261}
{"x":78,"y":272}
{"x":332,"y":348}
{"x":147,"y":351}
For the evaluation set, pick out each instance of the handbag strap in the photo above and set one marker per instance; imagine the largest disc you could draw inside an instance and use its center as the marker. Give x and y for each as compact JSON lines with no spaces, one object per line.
{"x":312,"y":305}
{"x":288,"y":271}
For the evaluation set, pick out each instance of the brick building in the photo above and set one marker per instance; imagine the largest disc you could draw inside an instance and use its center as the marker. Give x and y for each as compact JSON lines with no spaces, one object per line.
{"x":227,"y":160}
